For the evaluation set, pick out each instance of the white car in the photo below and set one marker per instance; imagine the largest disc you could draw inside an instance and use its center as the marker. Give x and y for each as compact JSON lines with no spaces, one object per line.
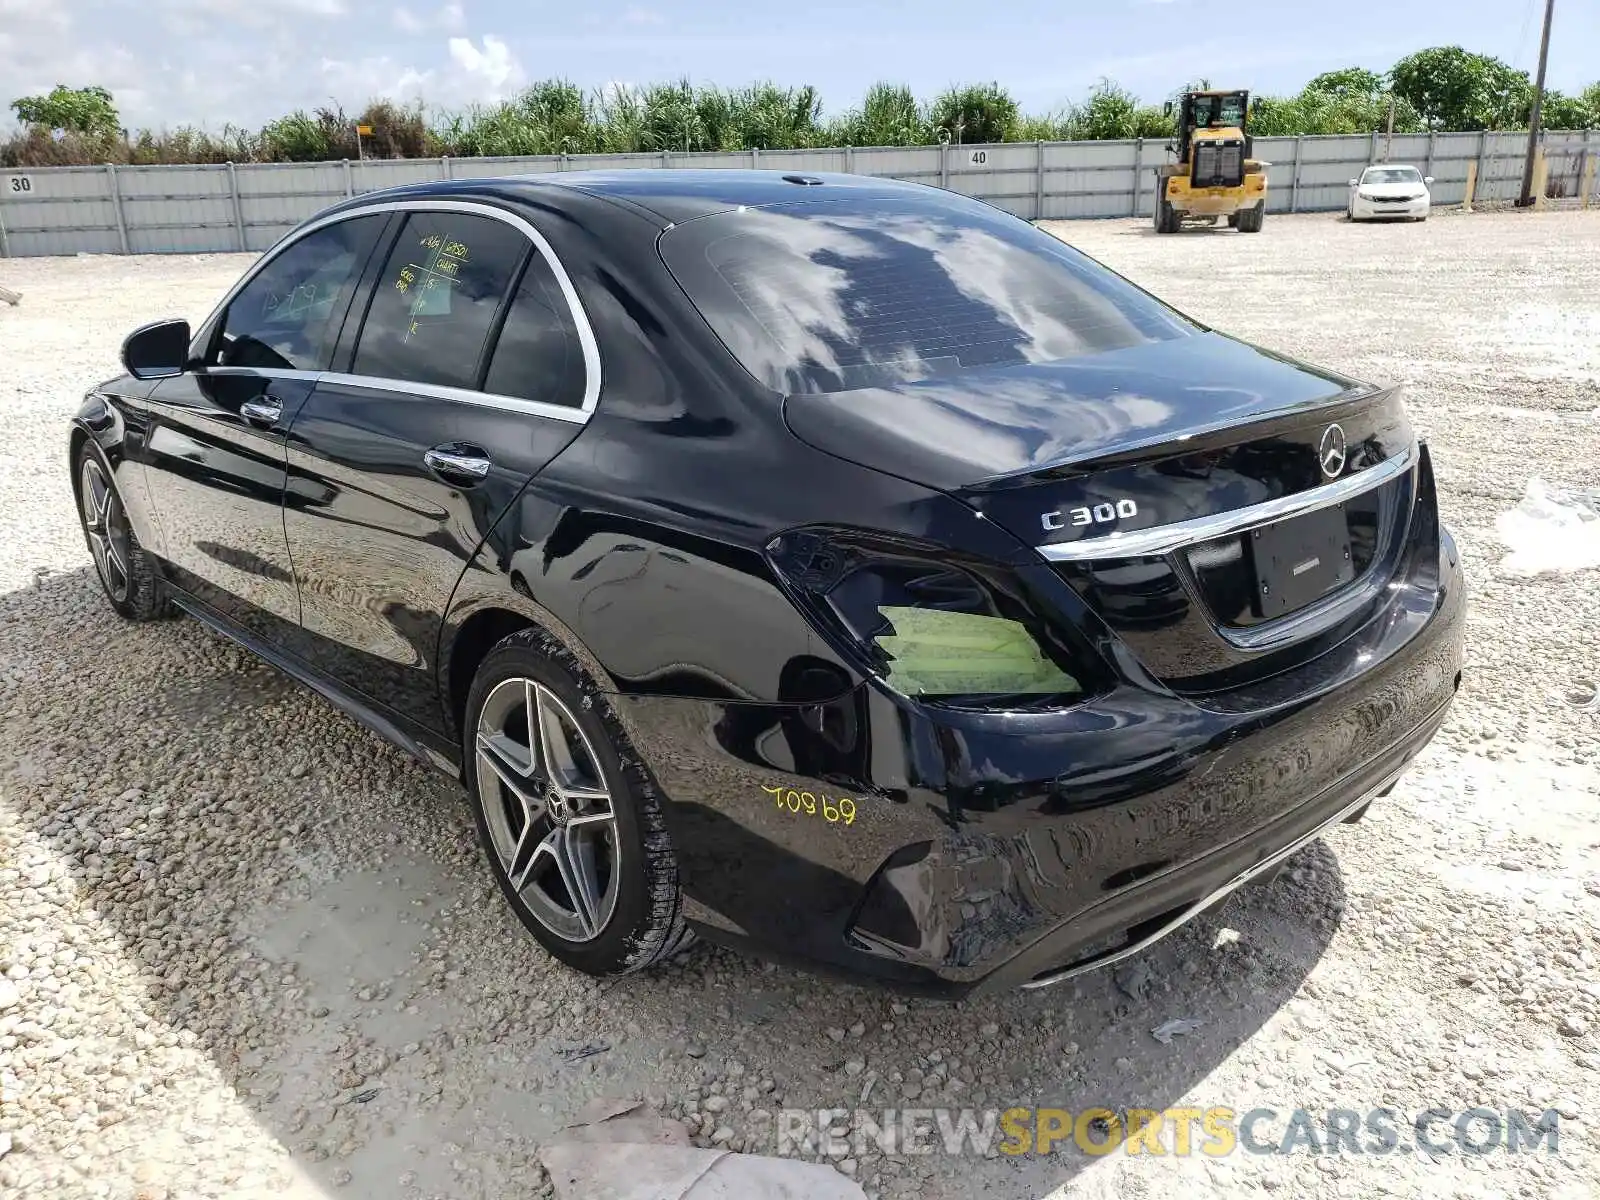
{"x":1390,"y":190}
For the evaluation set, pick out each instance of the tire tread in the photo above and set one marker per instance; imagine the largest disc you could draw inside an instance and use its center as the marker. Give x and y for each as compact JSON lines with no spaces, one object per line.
{"x":665,"y":932}
{"x":147,"y":598}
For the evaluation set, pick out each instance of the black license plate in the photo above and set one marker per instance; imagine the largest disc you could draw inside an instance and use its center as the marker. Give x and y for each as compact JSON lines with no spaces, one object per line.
{"x":1300,"y":560}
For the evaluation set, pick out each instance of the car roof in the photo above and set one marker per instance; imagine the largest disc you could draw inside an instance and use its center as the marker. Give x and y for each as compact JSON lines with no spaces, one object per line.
{"x":1391,"y":167}
{"x":671,"y":194}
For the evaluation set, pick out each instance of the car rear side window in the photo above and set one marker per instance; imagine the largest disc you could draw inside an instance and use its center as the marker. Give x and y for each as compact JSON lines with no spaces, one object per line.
{"x":436,"y":299}
{"x":855,"y":293}
{"x":288,"y":315}
{"x":538,"y":356}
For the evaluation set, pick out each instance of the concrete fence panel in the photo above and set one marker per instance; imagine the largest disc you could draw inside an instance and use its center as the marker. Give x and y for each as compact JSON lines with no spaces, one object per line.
{"x":143,"y":210}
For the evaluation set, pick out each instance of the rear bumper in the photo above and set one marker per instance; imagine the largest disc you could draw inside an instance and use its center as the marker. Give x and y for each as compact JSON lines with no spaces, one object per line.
{"x":1008,"y":850}
{"x":1151,"y":912}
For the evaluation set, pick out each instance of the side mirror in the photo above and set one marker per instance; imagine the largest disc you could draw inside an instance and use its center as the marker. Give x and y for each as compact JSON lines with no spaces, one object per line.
{"x":1353,"y":182}
{"x":157,"y":351}
{"x":1428,"y":179}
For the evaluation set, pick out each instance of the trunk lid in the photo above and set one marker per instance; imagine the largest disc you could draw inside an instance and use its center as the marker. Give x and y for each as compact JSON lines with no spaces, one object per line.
{"x":1073,"y":457}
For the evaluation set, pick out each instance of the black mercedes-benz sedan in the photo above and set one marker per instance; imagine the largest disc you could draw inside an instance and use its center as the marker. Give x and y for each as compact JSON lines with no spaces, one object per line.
{"x":831,"y":566}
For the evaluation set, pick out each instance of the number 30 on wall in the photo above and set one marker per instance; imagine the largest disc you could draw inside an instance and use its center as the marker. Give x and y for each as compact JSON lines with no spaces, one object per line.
{"x":18,"y":184}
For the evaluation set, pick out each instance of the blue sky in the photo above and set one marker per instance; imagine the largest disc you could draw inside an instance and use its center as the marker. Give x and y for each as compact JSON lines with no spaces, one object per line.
{"x":209,"y":62}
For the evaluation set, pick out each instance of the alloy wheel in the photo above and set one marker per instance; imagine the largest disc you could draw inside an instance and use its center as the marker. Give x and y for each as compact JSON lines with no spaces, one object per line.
{"x":548,"y":809}
{"x":106,"y":525}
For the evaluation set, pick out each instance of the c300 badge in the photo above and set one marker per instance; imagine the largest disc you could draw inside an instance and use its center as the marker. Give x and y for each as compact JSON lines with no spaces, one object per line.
{"x":1099,"y":514}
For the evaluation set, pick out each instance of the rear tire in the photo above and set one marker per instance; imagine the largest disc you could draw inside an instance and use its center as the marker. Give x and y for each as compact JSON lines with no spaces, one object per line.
{"x":128,"y":574}
{"x":1167,"y":218}
{"x":1251,"y":219}
{"x":575,"y":838}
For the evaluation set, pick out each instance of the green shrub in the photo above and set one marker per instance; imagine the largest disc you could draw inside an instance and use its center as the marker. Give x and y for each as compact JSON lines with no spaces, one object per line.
{"x":1441,"y":88}
{"x":888,"y":116}
{"x":978,"y":112}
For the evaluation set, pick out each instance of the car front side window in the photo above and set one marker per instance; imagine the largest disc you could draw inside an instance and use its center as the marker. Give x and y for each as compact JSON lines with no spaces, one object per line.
{"x":287,"y":317}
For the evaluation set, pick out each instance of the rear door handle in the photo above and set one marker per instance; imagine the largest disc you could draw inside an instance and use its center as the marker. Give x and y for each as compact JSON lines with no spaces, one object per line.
{"x":263,"y":410}
{"x":458,"y":463}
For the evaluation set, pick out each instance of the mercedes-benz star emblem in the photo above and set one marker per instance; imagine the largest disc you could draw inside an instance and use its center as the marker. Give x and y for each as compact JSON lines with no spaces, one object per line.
{"x":1331,"y":452}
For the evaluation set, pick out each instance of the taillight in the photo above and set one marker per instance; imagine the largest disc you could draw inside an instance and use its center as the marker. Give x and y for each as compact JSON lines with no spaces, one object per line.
{"x":933,"y":625}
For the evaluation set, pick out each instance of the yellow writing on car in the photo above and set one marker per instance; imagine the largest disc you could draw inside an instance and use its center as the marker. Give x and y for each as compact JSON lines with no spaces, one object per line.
{"x":836,"y":810}
{"x":439,"y":273}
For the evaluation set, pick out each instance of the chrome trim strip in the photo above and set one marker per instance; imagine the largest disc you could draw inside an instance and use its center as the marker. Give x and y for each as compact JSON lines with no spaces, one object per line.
{"x":1338,"y":604}
{"x":586,"y":337}
{"x":536,"y":408}
{"x":1163,"y":539}
{"x":260,"y":372}
{"x":1199,"y":906}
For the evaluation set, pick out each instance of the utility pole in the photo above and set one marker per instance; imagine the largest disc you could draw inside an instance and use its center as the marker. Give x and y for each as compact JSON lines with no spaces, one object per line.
{"x":1538,"y":102}
{"x":1388,"y":141}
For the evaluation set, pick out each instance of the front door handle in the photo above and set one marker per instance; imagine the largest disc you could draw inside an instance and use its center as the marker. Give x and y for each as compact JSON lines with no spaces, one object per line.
{"x":263,"y":410}
{"x":458,"y":463}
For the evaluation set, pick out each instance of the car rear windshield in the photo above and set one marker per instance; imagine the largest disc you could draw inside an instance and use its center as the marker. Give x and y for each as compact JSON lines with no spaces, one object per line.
{"x":836,"y":296}
{"x":1392,"y":175}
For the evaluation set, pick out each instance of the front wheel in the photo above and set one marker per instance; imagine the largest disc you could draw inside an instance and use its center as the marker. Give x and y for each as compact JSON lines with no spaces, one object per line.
{"x":1251,"y":219}
{"x":126,"y":571}
{"x":576,"y":840}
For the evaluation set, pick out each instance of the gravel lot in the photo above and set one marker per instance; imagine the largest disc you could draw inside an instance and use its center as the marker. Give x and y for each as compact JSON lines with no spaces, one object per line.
{"x":247,"y":949}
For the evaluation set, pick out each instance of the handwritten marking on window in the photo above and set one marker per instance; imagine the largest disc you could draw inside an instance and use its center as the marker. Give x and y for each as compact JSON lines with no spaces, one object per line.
{"x":304,"y":302}
{"x":441,"y":271}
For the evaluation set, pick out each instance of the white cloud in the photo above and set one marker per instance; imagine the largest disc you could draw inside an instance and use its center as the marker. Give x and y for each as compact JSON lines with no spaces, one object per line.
{"x":244,"y":62}
{"x":208,"y":18}
{"x":357,"y":80}
{"x":252,"y":12}
{"x":28,"y":31}
{"x":449,"y":17}
{"x":16,"y":14}
{"x":475,"y":73}
{"x":636,"y":15}
{"x":493,"y":66}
